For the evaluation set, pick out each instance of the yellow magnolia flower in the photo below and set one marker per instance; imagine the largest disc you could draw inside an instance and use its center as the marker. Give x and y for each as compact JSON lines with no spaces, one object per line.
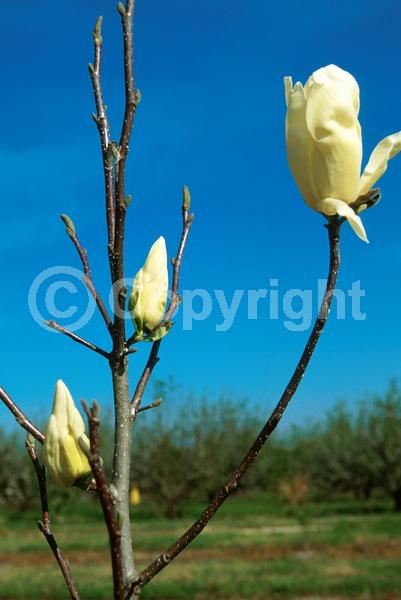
{"x":64,"y":457}
{"x":324,"y":144}
{"x":135,"y":496}
{"x":149,"y":293}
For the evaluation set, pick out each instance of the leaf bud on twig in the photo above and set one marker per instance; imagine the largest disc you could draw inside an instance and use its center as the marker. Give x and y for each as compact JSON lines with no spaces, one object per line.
{"x":186,"y":198}
{"x":97,"y":32}
{"x":121,"y":9}
{"x":69,"y":224}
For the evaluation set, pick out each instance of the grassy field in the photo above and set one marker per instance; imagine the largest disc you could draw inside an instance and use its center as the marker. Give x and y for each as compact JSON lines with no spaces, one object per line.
{"x":253,"y":549}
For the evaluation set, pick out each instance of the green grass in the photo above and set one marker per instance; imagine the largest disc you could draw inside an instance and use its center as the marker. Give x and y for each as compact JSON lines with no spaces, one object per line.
{"x":253,"y":549}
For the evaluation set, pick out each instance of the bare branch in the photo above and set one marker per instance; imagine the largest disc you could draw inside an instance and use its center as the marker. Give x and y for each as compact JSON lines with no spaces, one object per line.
{"x":106,"y":499}
{"x":72,"y":234}
{"x":45,"y":524}
{"x":131,"y":98}
{"x":20,"y":417}
{"x":187,"y":220}
{"x":131,"y":102}
{"x":232,"y":482}
{"x":77,"y":338}
{"x":103,"y":128}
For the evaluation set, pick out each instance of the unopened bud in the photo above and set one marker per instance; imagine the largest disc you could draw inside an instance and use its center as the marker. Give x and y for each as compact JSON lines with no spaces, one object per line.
{"x":149,"y":293}
{"x":186,"y":198}
{"x":97,"y":32}
{"x":64,"y":436}
{"x":69,"y":223}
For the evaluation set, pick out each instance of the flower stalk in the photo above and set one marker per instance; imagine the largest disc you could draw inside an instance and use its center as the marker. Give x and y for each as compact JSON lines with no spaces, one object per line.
{"x":333,"y":227}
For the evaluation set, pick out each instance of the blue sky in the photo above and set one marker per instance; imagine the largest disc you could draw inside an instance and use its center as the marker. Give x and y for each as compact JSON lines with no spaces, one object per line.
{"x":212,"y":117}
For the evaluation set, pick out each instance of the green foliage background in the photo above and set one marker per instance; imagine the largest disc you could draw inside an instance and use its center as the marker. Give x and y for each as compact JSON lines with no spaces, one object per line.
{"x":185,"y":453}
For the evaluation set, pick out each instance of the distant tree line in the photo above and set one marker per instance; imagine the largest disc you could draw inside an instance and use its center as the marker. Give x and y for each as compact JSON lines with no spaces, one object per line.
{"x":187,"y":452}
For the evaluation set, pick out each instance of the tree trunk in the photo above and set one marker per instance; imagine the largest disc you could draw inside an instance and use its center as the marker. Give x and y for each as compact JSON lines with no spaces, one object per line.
{"x":121,"y":464}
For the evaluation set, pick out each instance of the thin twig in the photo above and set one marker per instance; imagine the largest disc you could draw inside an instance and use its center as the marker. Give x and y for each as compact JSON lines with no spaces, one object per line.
{"x":127,"y":17}
{"x":187,"y":220}
{"x":103,"y":128}
{"x":154,"y":404}
{"x":131,"y":101}
{"x":77,"y":339}
{"x":144,"y":378}
{"x":72,"y":234}
{"x":106,"y":499}
{"x":20,"y":417}
{"x":232,"y":482}
{"x":45,"y":524}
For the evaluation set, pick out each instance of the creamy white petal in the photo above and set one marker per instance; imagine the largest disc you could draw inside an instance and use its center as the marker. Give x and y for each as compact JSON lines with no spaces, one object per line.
{"x":297,"y":140}
{"x":155,"y":261}
{"x":288,"y":88}
{"x":51,"y":446}
{"x":332,"y":206}
{"x":331,"y":75}
{"x":332,"y":121}
{"x":60,"y":401}
{"x":378,"y":160}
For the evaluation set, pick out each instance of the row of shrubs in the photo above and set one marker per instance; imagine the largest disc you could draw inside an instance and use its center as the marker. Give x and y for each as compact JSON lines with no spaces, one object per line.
{"x":187,"y":451}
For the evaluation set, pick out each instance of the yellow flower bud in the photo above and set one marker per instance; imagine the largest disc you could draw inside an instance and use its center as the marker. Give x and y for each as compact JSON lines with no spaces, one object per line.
{"x":149,"y":293}
{"x":324,"y":144}
{"x":135,"y":496}
{"x":66,"y":461}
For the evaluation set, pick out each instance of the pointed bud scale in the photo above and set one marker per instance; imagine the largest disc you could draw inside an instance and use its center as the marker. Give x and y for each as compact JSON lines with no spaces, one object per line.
{"x":186,"y":198}
{"x":69,"y":223}
{"x":121,"y":9}
{"x":97,"y":32}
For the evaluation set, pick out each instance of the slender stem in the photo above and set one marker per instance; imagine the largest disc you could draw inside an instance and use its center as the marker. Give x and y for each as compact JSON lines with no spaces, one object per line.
{"x":118,"y":360}
{"x":20,"y":417}
{"x":45,"y":524}
{"x":106,"y":500}
{"x":144,"y":378}
{"x":127,"y":18}
{"x":103,"y":129}
{"x":72,"y":234}
{"x":232,"y":482}
{"x":77,"y":338}
{"x":127,"y":15}
{"x":187,"y":220}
